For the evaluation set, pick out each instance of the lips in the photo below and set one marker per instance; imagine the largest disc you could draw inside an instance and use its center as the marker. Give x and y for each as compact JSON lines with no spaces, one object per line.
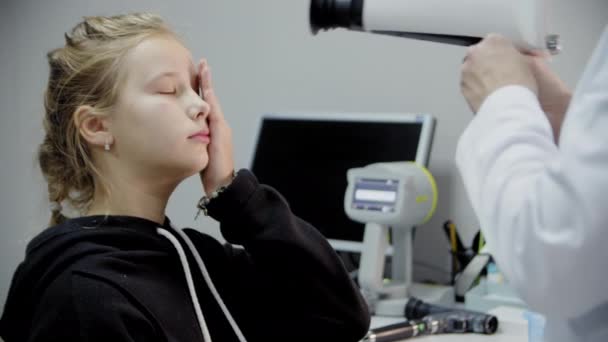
{"x":202,"y":136}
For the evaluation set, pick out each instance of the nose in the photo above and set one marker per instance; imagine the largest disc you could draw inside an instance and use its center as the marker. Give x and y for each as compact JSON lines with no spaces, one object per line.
{"x":198,"y":108}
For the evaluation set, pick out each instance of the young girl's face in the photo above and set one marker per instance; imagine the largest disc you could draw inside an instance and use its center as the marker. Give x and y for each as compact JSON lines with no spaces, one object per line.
{"x":160,"y":121}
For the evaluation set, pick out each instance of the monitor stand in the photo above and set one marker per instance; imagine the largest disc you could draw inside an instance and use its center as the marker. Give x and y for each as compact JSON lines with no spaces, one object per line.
{"x":388,"y":298}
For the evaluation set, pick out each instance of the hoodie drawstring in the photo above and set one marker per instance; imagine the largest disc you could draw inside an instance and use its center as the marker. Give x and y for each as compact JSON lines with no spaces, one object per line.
{"x":205,"y":273}
{"x":186,"y":266}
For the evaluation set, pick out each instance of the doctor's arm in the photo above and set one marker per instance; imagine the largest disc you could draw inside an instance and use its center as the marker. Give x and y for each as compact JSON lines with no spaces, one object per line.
{"x":542,"y":208}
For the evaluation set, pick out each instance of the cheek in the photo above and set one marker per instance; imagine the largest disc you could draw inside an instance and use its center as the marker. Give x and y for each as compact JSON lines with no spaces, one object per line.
{"x":151,"y":125}
{"x":155,"y":133}
{"x":156,"y":114}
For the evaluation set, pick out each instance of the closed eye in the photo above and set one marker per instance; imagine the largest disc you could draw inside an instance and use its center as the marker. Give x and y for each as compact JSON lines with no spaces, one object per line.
{"x":173,"y":92}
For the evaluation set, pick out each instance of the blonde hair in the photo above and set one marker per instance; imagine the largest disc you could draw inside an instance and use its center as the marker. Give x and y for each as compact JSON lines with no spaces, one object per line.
{"x":86,"y":71}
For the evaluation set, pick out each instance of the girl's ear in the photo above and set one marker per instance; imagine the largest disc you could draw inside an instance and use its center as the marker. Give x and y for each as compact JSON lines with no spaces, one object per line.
{"x":94,"y":128}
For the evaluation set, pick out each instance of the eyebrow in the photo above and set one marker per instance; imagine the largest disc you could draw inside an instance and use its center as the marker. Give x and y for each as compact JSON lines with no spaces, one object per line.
{"x":191,"y":69}
{"x":162,"y":74}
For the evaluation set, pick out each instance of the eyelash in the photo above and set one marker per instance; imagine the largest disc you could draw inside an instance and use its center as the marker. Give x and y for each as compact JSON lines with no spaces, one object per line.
{"x":169,"y":93}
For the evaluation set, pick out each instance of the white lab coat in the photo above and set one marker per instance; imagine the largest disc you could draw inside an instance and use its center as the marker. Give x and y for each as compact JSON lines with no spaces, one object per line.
{"x":543,"y":208}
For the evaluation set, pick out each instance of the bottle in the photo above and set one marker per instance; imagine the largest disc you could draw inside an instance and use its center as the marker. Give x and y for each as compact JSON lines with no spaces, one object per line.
{"x":493,"y":275}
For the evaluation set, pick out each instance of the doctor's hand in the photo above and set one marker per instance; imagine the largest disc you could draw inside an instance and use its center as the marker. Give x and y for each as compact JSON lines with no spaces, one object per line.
{"x":493,"y":64}
{"x":221,"y":162}
{"x":553,"y":94}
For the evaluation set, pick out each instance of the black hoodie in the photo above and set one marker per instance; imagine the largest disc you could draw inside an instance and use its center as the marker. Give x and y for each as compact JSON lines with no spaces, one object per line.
{"x":119,"y":278}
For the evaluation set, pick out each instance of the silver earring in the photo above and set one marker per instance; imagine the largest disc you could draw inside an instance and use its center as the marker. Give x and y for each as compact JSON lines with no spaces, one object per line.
{"x":107,"y":146}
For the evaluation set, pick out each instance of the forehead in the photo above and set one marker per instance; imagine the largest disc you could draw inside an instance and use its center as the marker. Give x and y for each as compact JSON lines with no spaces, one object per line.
{"x":159,"y":54}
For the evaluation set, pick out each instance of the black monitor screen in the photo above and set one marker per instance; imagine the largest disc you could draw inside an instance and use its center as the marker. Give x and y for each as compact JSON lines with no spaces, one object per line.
{"x":307,"y":160}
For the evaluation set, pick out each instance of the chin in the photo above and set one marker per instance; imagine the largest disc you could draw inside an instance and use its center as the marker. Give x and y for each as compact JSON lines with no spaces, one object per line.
{"x":185,"y":165}
{"x":200,"y":164}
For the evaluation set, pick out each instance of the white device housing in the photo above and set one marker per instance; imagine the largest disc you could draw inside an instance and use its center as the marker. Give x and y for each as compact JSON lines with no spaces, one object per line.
{"x":397,"y":196}
{"x":523,"y":21}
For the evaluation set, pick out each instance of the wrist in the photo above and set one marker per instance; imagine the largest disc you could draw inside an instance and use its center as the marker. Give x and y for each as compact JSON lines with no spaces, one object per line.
{"x":211,"y":184}
{"x":224,"y":182}
{"x":560,"y":105}
{"x":208,"y":197}
{"x":566,"y":98}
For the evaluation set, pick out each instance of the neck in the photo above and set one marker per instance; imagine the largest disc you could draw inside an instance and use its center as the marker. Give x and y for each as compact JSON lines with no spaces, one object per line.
{"x":133,"y":197}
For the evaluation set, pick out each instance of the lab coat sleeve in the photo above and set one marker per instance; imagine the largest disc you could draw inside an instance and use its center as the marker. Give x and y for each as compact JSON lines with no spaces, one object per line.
{"x":542,"y":208}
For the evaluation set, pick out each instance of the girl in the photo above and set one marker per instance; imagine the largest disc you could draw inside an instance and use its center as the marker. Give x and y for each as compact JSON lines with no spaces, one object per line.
{"x":128,"y":117}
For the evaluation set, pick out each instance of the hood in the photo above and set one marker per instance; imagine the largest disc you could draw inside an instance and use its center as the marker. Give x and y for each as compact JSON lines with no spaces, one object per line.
{"x":59,"y":247}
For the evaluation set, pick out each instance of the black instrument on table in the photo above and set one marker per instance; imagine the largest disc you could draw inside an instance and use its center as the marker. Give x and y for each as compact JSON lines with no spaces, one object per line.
{"x":428,"y":319}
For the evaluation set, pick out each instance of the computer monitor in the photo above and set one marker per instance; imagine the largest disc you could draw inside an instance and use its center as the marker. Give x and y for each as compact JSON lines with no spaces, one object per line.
{"x":306,"y":156}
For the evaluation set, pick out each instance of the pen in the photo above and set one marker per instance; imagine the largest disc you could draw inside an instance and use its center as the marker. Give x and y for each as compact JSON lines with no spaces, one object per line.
{"x":452,"y":228}
{"x":482,"y":242}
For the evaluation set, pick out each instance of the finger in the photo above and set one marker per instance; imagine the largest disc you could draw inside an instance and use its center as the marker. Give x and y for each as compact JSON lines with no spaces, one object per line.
{"x":205,"y":78}
{"x":207,"y":90}
{"x":540,"y":53}
{"x":203,"y":82}
{"x":495,"y":41}
{"x":470,"y":51}
{"x":207,"y":87}
{"x":495,"y":37}
{"x":489,"y":39}
{"x":529,"y":51}
{"x":199,"y":82}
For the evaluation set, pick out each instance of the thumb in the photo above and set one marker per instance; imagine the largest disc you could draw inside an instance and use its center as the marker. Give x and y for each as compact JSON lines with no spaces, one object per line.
{"x":540,"y":53}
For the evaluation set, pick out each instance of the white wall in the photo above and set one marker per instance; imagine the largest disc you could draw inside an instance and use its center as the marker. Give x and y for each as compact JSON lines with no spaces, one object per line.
{"x":264,"y":60}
